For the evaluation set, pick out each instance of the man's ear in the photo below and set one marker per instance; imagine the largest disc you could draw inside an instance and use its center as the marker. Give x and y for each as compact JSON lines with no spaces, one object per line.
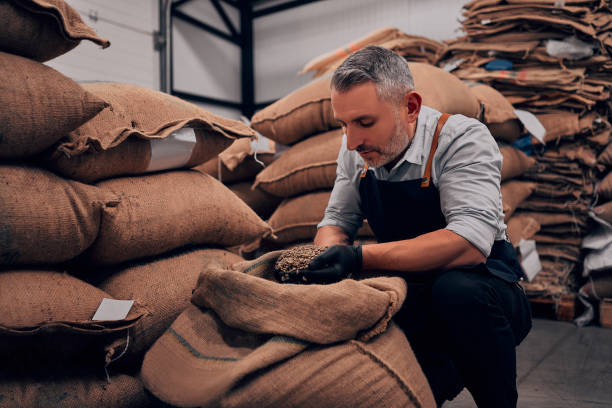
{"x":411,"y":105}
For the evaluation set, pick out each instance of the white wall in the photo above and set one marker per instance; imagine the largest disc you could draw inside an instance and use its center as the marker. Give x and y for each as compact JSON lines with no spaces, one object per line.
{"x":131,"y":58}
{"x":285,"y":41}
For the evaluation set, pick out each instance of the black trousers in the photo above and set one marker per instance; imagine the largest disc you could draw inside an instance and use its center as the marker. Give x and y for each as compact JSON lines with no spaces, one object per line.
{"x":463,"y":326}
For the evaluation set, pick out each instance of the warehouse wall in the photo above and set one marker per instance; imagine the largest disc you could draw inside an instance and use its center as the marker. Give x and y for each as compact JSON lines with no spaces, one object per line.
{"x":131,"y":58}
{"x":285,"y":41}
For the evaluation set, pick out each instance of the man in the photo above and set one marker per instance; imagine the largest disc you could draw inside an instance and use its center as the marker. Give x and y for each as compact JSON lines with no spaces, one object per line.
{"x":429,"y":186}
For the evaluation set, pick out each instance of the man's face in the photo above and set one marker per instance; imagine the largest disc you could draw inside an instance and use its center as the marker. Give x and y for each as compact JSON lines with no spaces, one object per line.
{"x":377,"y":129}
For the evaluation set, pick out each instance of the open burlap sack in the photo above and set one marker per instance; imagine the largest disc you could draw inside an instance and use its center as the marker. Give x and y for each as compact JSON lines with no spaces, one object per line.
{"x":513,"y":193}
{"x":46,"y":219}
{"x":164,"y":211}
{"x":39,"y":105}
{"x":498,"y":113}
{"x":133,"y":135}
{"x":514,"y":162}
{"x":261,"y":202}
{"x":42,"y":29}
{"x":250,"y":341}
{"x":604,"y":189}
{"x":49,"y":313}
{"x":308,"y":111}
{"x":307,"y":166}
{"x":163,"y":286}
{"x":604,"y":211}
{"x":296,"y":218}
{"x":521,"y":227}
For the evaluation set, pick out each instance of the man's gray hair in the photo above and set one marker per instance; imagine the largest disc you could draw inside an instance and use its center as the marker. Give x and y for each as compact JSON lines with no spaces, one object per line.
{"x":388,"y":71}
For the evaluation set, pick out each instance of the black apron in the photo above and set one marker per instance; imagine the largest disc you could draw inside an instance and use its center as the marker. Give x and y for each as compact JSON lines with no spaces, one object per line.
{"x":406,"y":209}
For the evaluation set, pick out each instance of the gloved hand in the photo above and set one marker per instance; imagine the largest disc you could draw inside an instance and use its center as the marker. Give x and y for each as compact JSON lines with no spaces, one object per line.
{"x":333,"y":265}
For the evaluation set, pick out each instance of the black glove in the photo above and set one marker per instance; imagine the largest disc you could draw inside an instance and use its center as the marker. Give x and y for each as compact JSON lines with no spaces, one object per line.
{"x":333,"y":265}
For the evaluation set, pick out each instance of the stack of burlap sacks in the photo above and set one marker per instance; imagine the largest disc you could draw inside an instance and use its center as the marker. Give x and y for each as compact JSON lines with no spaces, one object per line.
{"x":74,"y":198}
{"x":553,"y":60}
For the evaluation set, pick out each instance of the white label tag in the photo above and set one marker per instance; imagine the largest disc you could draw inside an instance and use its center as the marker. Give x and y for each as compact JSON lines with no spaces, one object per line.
{"x":111,"y":309}
{"x":530,"y":258}
{"x":173,"y":151}
{"x":532,"y":124}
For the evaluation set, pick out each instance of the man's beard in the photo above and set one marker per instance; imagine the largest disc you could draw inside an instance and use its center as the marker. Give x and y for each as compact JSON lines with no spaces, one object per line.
{"x":397,"y":144}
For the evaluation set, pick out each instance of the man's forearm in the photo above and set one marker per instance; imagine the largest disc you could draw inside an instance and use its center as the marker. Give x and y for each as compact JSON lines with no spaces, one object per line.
{"x":331,"y":235}
{"x":441,"y":249}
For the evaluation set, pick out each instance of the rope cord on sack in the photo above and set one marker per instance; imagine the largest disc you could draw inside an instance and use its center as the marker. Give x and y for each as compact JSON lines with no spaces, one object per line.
{"x":127,"y":345}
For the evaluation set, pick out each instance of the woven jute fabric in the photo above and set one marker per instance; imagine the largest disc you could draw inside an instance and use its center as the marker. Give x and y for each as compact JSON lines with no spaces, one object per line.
{"x":307,"y":166}
{"x":46,"y":219}
{"x":498,"y":113}
{"x":514,"y":162}
{"x":604,"y":189}
{"x":604,"y":211}
{"x":42,"y":29}
{"x":605,"y":157}
{"x":246,"y":170}
{"x":48,"y":313}
{"x":521,"y":227}
{"x":261,"y":202}
{"x":164,"y":211}
{"x":117,"y":141}
{"x":513,"y":193}
{"x":296,"y":218}
{"x":39,"y":106}
{"x":307,"y":111}
{"x":249,"y":341}
{"x":163,"y":286}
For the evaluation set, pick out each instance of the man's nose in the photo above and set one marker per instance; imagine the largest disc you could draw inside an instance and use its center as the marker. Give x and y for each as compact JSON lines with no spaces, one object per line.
{"x":353,"y":139}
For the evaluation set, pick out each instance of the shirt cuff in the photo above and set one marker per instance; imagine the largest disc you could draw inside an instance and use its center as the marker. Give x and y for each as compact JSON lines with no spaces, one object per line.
{"x":349,"y":228}
{"x":475,"y":231}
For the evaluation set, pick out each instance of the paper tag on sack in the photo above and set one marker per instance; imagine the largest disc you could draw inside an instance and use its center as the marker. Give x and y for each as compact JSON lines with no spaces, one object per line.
{"x":172,"y":152}
{"x":530,"y":260}
{"x":112,"y":309}
{"x":532,"y":124}
{"x":452,"y":64}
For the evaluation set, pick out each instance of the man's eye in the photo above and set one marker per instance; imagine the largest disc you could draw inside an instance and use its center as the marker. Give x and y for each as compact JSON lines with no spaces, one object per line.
{"x":366,"y":124}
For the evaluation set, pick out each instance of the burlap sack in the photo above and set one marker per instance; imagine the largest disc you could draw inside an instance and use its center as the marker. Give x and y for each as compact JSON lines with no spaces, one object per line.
{"x":49,"y":313}
{"x":165,"y":211}
{"x":261,"y":202}
{"x":119,"y":140}
{"x":521,"y":227}
{"x":498,"y":113}
{"x":39,"y":105}
{"x":514,"y":162}
{"x":307,"y":166}
{"x":163,"y":286}
{"x":605,"y":157}
{"x":46,"y":219}
{"x":604,"y":211}
{"x":42,"y":29}
{"x":249,"y":341}
{"x":604,"y":189}
{"x":601,"y":284}
{"x":559,"y":125}
{"x":308,"y":111}
{"x":558,"y":239}
{"x":296,"y":218}
{"x":513,"y":193}
{"x":555,"y":251}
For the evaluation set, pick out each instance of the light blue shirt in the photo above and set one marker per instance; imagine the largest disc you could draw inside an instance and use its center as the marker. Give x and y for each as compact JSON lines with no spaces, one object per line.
{"x":466,"y":169}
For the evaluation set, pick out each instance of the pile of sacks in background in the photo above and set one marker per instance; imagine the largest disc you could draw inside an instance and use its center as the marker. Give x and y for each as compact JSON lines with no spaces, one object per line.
{"x":77,"y":195}
{"x":551,"y":61}
{"x":305,"y":173}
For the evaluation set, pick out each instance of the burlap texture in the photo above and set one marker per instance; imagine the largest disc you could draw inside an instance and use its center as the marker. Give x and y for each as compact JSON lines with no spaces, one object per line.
{"x":255,"y":342}
{"x":48,"y":314}
{"x":163,"y":286}
{"x":513,"y":193}
{"x":308,"y":111}
{"x":521,"y":227}
{"x":601,"y":284}
{"x":605,"y":157}
{"x":296,"y":218}
{"x":246,"y":170}
{"x":46,"y":219}
{"x":307,"y":166}
{"x":39,"y":106}
{"x":42,"y":29}
{"x":559,"y":125}
{"x":514,"y":162}
{"x":165,"y":211}
{"x":497,"y":109}
{"x":604,"y":211}
{"x":604,"y":189}
{"x":261,"y":202}
{"x":111,"y":144}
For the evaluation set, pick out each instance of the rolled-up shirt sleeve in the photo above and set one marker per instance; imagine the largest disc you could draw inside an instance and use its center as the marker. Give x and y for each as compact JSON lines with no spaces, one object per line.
{"x":344,"y":208}
{"x":469,"y":169}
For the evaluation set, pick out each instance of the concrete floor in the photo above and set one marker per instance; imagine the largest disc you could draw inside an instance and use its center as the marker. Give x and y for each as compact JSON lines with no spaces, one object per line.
{"x":560,"y":366}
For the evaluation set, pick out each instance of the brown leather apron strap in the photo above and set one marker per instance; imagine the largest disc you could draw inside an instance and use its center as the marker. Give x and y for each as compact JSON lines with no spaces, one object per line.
{"x":434,"y":146}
